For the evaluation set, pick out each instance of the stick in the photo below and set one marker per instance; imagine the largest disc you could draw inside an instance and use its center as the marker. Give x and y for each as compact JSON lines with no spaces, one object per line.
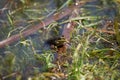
{"x":62,"y":13}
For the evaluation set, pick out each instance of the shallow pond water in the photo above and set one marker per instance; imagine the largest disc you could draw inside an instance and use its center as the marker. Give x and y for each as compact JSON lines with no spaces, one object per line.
{"x":16,"y":16}
{"x":20,"y":15}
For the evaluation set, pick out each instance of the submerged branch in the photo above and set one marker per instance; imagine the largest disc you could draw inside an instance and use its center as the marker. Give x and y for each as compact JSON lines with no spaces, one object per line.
{"x":57,"y":16}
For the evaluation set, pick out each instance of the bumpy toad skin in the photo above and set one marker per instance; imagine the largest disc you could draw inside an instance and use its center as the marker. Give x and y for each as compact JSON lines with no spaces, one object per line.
{"x":57,"y":43}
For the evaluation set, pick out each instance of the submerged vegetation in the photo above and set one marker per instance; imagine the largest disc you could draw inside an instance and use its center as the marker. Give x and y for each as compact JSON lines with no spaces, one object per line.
{"x":93,"y":52}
